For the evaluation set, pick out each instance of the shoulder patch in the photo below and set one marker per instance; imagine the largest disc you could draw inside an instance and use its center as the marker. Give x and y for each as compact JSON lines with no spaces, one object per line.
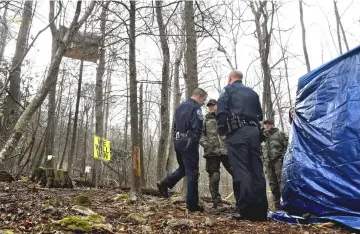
{"x":200,"y":114}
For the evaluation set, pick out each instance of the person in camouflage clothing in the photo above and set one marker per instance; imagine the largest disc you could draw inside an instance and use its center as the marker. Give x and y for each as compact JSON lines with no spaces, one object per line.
{"x":214,"y":152}
{"x":274,"y":150}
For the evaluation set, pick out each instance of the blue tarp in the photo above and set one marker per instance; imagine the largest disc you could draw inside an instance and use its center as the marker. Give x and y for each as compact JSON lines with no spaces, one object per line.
{"x":321,"y":172}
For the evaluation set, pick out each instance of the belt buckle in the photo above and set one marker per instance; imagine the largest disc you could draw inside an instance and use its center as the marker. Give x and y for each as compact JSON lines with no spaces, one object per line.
{"x":177,"y":135}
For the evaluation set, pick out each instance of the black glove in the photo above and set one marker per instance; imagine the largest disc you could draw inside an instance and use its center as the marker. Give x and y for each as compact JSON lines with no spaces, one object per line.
{"x":222,"y":125}
{"x":262,"y":135}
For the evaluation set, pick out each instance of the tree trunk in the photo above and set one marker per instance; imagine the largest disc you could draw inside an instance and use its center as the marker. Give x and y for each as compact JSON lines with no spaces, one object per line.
{"x":45,"y":88}
{"x":191,"y":49}
{"x":136,"y":167}
{"x":66,"y":139}
{"x":264,"y":35}
{"x":12,"y":108}
{"x":4,"y":33}
{"x":141,"y":136}
{"x":99,"y":107}
{"x":164,"y":108}
{"x":126,"y":128}
{"x":304,"y":37}
{"x":176,"y":102}
{"x":83,"y":159}
{"x":74,"y":133}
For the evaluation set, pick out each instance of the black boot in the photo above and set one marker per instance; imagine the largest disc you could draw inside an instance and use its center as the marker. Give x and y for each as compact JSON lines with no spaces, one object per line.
{"x":162,"y":189}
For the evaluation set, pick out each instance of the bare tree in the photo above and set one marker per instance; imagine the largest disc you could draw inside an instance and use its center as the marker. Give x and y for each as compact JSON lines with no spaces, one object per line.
{"x":164,"y":108}
{"x":338,"y":27}
{"x":99,"y":99}
{"x":136,"y":170}
{"x":264,"y":30}
{"x":191,"y":77}
{"x":45,"y":88}
{"x":76,"y":116}
{"x":304,"y":36}
{"x":3,"y":33}
{"x":13,"y":99}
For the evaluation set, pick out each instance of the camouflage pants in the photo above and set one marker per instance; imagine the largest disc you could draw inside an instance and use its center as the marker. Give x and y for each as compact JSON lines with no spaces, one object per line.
{"x":273,"y":172}
{"x":213,"y":169}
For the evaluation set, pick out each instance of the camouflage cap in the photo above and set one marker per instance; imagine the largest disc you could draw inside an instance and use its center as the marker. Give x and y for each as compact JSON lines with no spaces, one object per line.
{"x":211,"y":102}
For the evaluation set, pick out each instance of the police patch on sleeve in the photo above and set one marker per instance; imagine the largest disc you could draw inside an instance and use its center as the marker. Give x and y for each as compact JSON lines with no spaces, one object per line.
{"x":200,"y":114}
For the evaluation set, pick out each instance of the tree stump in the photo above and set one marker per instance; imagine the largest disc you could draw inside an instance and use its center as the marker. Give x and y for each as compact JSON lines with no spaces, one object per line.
{"x":6,"y":176}
{"x":51,"y":178}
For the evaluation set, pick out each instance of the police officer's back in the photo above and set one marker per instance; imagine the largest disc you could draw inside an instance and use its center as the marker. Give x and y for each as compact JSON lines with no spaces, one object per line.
{"x":239,"y":113}
{"x":187,"y":131}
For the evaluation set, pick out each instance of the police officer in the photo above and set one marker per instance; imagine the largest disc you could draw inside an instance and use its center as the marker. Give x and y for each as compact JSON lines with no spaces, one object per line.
{"x":214,"y":152}
{"x":187,"y":131}
{"x":238,"y":114}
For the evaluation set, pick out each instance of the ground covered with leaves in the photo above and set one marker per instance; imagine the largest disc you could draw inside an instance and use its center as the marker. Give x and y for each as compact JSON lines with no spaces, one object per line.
{"x":25,"y":208}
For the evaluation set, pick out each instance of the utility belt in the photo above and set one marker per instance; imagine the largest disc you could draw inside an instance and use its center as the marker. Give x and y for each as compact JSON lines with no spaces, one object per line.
{"x":189,"y":135}
{"x":235,"y":122}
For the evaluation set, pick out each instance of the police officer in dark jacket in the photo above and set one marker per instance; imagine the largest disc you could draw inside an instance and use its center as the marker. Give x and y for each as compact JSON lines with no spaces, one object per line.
{"x":238,"y":114}
{"x":187,"y":132}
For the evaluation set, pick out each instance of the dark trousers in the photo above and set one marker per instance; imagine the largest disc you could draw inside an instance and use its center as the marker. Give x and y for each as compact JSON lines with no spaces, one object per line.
{"x":188,"y":160}
{"x":273,"y":172}
{"x":213,"y":169}
{"x":243,"y":147}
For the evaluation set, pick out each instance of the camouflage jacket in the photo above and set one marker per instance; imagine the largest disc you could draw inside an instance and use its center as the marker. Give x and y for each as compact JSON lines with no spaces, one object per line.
{"x":211,"y":142}
{"x":275,"y":145}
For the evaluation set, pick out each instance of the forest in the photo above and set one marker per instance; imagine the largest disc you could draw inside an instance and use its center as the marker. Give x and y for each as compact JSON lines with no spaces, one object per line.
{"x":75,"y":73}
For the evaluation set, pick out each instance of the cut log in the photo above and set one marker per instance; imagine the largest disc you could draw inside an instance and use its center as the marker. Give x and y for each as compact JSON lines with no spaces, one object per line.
{"x":51,"y":178}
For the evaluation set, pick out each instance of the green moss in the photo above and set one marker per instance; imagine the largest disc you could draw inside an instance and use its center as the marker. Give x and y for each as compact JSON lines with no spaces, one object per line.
{"x":96,"y":218}
{"x":82,"y":199}
{"x":137,"y":217}
{"x":124,"y":196}
{"x":51,"y":202}
{"x":7,"y":231}
{"x":76,"y":223}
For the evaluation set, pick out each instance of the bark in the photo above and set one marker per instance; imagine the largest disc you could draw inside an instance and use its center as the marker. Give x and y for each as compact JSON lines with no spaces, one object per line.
{"x":176,"y":102}
{"x":50,"y":135}
{"x":66,"y":139}
{"x":264,"y":35}
{"x":4,"y":33}
{"x":83,"y":159}
{"x":99,"y":107}
{"x":304,"y":37}
{"x":126,"y":129}
{"x":12,"y":107}
{"x":340,"y":26}
{"x":134,"y":122}
{"x":74,"y":133}
{"x":141,"y":136}
{"x":191,"y":77}
{"x":164,"y":108}
{"x":45,"y":88}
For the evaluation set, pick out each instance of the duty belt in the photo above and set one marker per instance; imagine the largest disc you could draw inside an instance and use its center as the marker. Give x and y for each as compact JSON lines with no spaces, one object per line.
{"x":179,"y":134}
{"x":235,"y":123}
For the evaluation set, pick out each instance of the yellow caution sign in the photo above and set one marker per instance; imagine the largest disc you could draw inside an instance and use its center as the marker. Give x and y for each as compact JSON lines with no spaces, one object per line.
{"x":101,"y":148}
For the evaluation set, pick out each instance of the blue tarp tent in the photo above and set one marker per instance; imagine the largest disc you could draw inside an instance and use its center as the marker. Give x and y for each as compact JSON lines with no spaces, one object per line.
{"x":321,"y":172}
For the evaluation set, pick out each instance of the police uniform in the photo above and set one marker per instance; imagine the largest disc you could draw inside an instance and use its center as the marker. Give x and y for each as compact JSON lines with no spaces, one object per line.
{"x":187,"y":131}
{"x":238,"y":114}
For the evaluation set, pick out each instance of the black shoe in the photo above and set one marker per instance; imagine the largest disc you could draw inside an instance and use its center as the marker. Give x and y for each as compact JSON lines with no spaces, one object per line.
{"x":198,"y":208}
{"x":162,"y":189}
{"x":238,"y":216}
{"x":217,"y":205}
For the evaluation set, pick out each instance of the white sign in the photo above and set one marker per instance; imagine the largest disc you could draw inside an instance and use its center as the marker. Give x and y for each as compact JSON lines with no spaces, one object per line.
{"x":87,"y":169}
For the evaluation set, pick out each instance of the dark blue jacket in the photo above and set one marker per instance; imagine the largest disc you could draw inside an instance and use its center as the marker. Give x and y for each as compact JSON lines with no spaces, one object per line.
{"x":188,"y":116}
{"x":241,"y":101}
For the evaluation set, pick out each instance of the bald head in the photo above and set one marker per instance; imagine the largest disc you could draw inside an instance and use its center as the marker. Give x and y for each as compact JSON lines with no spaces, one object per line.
{"x":234,"y":76}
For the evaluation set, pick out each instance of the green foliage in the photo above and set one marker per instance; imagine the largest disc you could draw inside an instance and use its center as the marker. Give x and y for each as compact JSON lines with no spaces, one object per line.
{"x":82,"y":199}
